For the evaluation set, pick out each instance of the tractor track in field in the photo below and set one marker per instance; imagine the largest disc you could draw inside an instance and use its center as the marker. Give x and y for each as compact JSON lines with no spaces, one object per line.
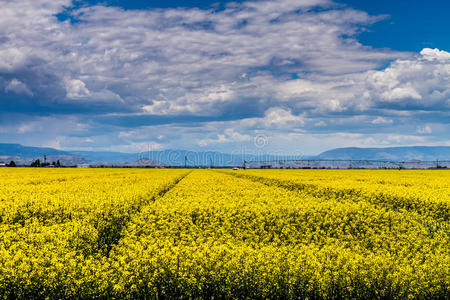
{"x":111,"y":231}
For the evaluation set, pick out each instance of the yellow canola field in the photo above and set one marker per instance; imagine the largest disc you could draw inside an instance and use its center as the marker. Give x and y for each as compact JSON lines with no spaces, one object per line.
{"x":58,"y":225}
{"x":222,"y":234}
{"x":424,"y":191}
{"x":215,"y":234}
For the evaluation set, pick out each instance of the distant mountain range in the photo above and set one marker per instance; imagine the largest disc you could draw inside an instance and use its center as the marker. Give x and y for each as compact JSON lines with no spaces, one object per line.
{"x":28,"y":152}
{"x":25,"y":155}
{"x":421,"y":153}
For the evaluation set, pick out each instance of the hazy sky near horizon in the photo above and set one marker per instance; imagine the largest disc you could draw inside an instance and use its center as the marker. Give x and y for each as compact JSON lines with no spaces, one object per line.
{"x":285,"y":76}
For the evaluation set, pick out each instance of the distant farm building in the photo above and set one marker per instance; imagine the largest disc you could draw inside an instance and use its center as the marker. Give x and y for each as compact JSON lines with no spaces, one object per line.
{"x":85,"y":166}
{"x":2,"y":164}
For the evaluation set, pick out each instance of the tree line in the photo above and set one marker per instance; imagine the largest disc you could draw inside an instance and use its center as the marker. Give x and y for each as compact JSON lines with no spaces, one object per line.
{"x":38,"y":164}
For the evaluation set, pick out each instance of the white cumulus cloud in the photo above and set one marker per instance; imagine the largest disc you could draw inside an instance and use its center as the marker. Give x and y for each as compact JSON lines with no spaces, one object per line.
{"x":18,"y":87}
{"x":76,"y":89}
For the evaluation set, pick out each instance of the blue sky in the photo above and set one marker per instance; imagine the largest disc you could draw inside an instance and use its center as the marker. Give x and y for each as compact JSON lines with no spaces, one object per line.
{"x":301,"y":75}
{"x":410,"y":25}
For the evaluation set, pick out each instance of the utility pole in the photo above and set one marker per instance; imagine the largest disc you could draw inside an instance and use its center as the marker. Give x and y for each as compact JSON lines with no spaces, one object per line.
{"x":185,"y":161}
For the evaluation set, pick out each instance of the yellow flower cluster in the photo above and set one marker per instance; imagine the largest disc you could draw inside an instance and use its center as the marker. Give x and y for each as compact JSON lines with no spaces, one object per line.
{"x":424,"y":191}
{"x":126,"y":233}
